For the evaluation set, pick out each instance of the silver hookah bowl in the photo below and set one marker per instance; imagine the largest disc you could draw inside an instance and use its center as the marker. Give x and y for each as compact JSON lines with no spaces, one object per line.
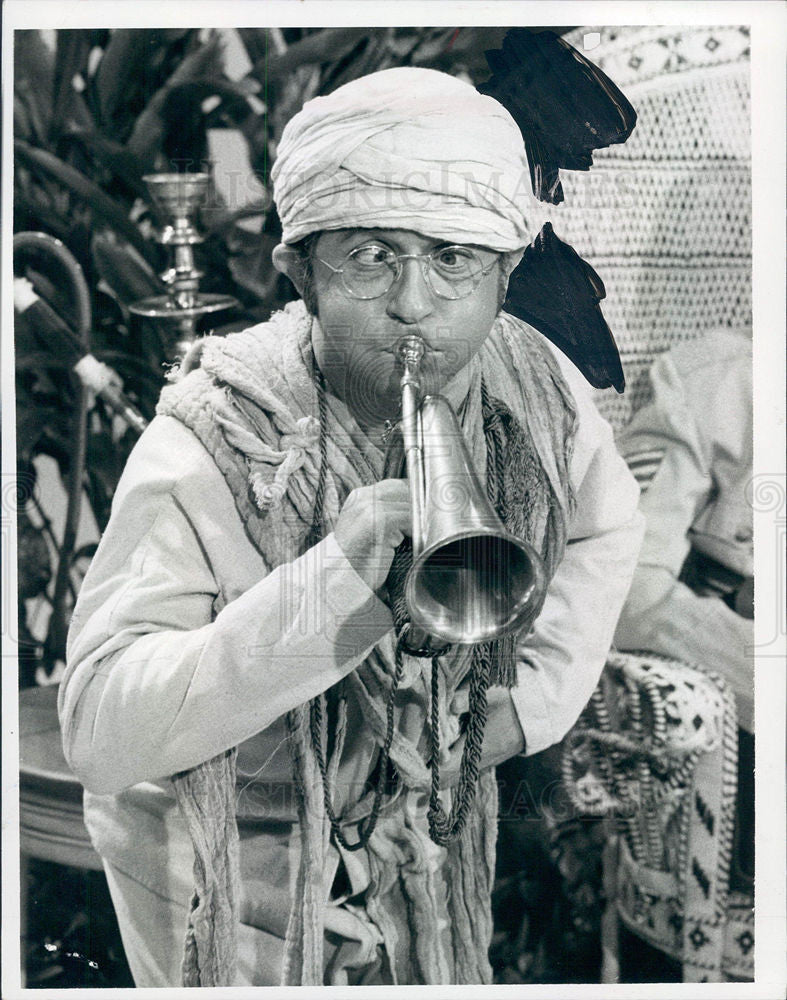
{"x":179,"y":197}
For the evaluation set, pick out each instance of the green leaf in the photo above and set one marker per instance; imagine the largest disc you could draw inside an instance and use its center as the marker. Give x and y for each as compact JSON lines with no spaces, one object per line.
{"x":127,"y":50}
{"x":100,"y":203}
{"x":368,"y":58}
{"x":114,"y":156}
{"x":68,"y":105}
{"x":149,"y":129}
{"x":35,"y":423}
{"x":127,"y":275}
{"x":33,"y":76}
{"x":250,"y":263}
{"x":23,"y":122}
{"x":256,"y":41}
{"x":328,"y":45}
{"x":30,"y":214}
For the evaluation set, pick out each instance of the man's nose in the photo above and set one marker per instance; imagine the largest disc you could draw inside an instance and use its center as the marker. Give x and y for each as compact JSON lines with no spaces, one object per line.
{"x":410,"y":299}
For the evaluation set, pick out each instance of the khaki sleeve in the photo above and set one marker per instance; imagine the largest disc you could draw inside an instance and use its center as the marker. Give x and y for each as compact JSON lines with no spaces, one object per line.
{"x":671,"y":457}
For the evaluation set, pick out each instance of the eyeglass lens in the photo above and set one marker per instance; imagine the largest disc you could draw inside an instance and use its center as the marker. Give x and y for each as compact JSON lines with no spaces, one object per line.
{"x":451,"y":272}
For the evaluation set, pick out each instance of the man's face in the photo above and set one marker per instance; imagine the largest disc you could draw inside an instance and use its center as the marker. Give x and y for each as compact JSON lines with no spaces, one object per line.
{"x":356,"y":346}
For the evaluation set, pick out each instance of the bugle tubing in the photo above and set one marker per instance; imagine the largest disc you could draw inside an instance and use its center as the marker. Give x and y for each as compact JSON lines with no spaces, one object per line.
{"x":471,"y":579}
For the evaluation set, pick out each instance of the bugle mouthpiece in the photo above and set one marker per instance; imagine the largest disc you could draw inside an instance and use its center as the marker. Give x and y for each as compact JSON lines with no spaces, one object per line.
{"x":410,"y":350}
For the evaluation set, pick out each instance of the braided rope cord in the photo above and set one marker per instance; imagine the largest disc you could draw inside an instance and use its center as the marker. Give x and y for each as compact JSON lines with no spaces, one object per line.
{"x":650,"y":803}
{"x":495,"y":455}
{"x":627,"y":816}
{"x":676,"y":783}
{"x":599,"y":706}
{"x":607,"y":764}
{"x":729,"y":788}
{"x":443,"y":828}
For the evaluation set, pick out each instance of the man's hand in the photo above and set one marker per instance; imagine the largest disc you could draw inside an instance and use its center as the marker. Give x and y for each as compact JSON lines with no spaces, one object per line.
{"x":371,"y":524}
{"x":503,"y":736}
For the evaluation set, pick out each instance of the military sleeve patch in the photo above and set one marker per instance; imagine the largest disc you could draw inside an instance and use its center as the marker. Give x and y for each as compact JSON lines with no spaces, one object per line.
{"x":644,"y":465}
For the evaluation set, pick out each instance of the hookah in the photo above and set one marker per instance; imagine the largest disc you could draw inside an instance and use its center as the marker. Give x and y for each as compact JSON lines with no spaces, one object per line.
{"x":179,"y":197}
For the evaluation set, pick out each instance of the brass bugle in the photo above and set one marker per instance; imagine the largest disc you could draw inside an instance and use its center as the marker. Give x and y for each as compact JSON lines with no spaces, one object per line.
{"x":471,"y":579}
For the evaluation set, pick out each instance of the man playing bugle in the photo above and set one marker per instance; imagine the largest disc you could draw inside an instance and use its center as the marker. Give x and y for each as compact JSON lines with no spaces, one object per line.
{"x":280,"y":789}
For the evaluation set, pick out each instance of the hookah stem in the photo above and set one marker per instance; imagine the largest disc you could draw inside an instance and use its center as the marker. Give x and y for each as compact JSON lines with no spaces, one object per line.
{"x":73,"y":347}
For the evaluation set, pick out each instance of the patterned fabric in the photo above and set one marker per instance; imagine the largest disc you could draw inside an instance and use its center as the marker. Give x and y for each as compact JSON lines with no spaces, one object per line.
{"x":657,"y":748}
{"x":665,"y":219}
{"x":633,"y":56}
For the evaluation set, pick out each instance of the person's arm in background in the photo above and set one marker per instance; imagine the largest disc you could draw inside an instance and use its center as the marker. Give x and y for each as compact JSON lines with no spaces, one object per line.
{"x":156,"y":682}
{"x":562,"y":658}
{"x":672,"y":458}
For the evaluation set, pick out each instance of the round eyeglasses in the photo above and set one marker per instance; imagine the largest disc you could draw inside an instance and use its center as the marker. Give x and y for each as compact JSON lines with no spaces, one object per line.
{"x":452,"y":272}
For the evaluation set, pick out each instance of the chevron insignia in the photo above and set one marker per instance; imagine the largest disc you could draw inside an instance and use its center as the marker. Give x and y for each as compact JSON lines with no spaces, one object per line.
{"x":644,"y":465}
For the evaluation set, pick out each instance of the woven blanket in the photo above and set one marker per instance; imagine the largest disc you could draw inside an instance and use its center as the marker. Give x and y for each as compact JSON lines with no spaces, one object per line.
{"x":665,"y":219}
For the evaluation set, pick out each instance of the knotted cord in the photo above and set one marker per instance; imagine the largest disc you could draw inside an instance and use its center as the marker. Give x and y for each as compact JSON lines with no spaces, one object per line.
{"x":442,"y":828}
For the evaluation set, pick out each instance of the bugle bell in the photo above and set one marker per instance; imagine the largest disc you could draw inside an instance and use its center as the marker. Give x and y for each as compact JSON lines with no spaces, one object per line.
{"x":471,"y":579}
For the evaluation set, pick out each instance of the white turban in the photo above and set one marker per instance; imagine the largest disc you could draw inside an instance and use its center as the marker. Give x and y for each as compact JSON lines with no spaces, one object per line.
{"x":404,"y":149}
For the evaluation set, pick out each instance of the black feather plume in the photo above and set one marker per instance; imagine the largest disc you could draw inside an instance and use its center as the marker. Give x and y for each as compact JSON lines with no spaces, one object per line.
{"x":557,"y":292}
{"x":565,"y":106}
